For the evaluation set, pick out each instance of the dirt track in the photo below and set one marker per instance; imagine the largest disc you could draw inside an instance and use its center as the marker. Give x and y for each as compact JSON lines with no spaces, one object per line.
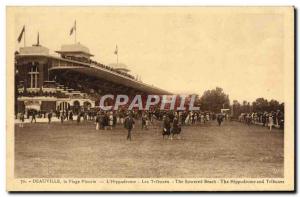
{"x":79,"y":151}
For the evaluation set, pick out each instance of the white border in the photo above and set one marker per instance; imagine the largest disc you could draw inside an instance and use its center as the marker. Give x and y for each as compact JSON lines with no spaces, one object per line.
{"x":4,"y":3}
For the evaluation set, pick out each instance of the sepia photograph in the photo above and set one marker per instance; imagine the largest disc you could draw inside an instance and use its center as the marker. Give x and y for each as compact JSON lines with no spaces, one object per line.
{"x":150,"y":98}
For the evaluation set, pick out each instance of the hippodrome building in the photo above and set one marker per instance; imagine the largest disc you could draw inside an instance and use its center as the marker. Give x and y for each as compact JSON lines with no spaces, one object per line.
{"x":69,"y":80}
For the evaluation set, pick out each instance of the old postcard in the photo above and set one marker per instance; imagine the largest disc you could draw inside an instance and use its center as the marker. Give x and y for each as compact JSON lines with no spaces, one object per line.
{"x":150,"y":98}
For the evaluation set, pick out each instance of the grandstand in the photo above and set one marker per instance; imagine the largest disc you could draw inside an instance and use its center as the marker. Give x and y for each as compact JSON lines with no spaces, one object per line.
{"x":70,"y":80}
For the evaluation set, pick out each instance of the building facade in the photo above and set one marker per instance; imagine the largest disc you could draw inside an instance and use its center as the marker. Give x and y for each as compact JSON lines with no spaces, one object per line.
{"x":69,"y":80}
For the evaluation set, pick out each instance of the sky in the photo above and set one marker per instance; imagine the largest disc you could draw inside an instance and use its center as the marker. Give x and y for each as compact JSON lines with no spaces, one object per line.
{"x":182,"y":50}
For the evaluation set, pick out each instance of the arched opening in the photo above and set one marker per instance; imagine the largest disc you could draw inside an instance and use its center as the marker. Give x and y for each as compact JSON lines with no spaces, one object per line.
{"x":87,"y":106}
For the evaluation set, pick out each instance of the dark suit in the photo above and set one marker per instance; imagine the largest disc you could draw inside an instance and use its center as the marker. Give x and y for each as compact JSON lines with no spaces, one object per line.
{"x":129,"y":122}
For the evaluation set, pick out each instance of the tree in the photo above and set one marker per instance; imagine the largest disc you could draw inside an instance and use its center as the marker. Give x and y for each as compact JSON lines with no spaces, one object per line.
{"x":261,"y":105}
{"x":281,"y":107}
{"x":245,"y":107}
{"x":236,"y":109}
{"x":214,"y":100}
{"x":274,"y":105}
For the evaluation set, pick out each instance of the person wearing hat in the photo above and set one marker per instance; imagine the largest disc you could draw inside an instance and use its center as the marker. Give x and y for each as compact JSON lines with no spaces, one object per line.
{"x":176,"y":129}
{"x":166,"y":126}
{"x":21,"y":117}
{"x":105,"y":120}
{"x":144,"y":118}
{"x":111,"y":120}
{"x":270,"y":121}
{"x":220,"y":119}
{"x":129,"y":124}
{"x":49,"y":117}
{"x":98,"y":121}
{"x":33,"y":118}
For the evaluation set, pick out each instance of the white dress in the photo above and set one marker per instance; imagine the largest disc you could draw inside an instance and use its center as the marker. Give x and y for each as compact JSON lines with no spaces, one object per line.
{"x":111,"y":118}
{"x":270,"y":121}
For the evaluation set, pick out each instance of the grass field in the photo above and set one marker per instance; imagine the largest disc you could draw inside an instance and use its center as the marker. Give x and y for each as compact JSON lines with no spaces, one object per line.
{"x":205,"y":151}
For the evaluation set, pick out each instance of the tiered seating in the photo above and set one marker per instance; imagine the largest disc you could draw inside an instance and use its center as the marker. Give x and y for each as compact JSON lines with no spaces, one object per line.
{"x":89,"y":61}
{"x":69,"y":92}
{"x":55,"y":90}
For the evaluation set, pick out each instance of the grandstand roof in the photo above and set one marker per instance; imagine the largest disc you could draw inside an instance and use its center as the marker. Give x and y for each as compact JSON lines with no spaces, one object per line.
{"x":34,"y":50}
{"x":75,"y":48}
{"x":120,"y":66}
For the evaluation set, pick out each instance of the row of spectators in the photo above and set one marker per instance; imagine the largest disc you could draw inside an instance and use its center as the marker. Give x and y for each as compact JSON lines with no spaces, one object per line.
{"x":43,"y":93}
{"x":264,"y":118}
{"x":89,"y":61}
{"x":184,"y":117}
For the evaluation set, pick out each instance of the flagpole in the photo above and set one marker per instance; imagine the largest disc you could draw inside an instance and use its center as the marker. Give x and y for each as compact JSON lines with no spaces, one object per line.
{"x":24,"y":38}
{"x":75,"y":34}
{"x":117,"y":55}
{"x":75,"y":31}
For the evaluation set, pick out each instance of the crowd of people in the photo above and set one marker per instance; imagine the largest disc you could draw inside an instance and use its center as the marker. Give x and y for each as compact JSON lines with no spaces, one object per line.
{"x":170,"y":122}
{"x":43,"y":93}
{"x":269,"y":119}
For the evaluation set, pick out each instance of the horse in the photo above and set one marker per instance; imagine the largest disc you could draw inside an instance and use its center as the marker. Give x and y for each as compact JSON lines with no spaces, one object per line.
{"x":167,"y":132}
{"x":176,"y":131}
